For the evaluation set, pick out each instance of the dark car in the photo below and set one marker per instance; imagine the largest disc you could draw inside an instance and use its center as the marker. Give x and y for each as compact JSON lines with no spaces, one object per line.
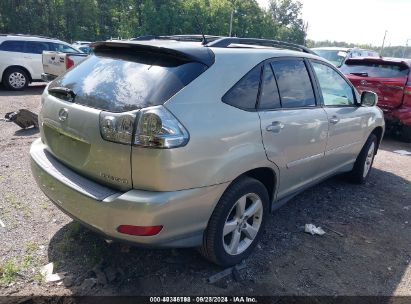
{"x":390,"y":79}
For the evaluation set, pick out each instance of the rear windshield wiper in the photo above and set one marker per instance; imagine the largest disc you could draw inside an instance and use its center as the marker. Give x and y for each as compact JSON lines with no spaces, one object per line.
{"x":63,"y":93}
{"x":360,"y":74}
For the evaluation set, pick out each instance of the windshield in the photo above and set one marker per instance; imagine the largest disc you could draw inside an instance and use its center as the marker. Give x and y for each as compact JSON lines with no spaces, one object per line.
{"x":336,"y":57}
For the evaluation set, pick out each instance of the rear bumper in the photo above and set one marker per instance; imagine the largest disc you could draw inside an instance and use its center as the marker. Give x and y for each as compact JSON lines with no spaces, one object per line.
{"x":48,"y":77}
{"x":183,"y":214}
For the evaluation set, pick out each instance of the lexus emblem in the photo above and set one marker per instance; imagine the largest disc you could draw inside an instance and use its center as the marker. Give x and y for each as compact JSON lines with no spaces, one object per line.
{"x":63,"y":114}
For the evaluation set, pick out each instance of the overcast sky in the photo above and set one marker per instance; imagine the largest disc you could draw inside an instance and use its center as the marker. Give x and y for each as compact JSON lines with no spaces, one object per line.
{"x":357,"y":21}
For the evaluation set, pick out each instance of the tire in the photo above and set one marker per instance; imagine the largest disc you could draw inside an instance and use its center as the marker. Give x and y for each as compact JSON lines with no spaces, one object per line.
{"x":15,"y":79}
{"x":406,"y":134}
{"x":365,"y":159}
{"x":222,"y":250}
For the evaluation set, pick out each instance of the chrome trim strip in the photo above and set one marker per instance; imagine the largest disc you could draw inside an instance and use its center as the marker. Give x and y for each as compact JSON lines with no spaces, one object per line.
{"x":304,"y":160}
{"x":335,"y":150}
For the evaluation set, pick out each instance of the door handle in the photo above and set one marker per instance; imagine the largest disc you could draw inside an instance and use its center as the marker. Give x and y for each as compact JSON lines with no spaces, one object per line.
{"x":275,"y":127}
{"x":334,"y":120}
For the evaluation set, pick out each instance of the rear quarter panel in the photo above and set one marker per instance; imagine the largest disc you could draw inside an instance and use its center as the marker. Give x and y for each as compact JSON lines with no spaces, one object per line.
{"x":224,"y":141}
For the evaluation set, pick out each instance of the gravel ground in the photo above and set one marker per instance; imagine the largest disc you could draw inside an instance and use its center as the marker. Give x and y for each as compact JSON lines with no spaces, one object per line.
{"x":366,"y":249}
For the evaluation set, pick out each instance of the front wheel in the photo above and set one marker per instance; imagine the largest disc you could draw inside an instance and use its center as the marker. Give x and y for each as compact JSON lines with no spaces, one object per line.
{"x":236,"y":223}
{"x":365,"y":159}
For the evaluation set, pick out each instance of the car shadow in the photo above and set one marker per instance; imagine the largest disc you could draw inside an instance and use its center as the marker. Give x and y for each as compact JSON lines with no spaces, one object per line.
{"x":27,"y":132}
{"x":366,"y":250}
{"x":36,"y":88}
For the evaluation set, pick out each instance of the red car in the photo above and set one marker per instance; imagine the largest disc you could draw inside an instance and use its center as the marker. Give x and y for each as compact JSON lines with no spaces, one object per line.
{"x":390,"y":79}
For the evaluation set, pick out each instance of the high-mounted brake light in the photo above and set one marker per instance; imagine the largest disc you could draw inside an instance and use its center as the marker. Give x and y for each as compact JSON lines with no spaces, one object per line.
{"x":139,"y":230}
{"x":69,"y":62}
{"x":158,"y":128}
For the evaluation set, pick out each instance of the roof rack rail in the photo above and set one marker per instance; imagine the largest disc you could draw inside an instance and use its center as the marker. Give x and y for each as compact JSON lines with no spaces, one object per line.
{"x":225,"y":42}
{"x":187,"y":38}
{"x":28,"y":35}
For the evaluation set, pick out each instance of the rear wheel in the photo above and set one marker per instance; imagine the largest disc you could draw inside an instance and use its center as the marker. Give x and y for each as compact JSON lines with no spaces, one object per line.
{"x":406,"y":134}
{"x":236,"y":223}
{"x":15,"y":79}
{"x":365,"y":159}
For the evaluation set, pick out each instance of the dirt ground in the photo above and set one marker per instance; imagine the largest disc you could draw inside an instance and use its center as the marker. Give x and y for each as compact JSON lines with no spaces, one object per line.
{"x":369,"y":252}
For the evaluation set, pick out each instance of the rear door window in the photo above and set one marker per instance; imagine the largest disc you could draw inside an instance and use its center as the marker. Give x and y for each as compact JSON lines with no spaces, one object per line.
{"x":244,"y":93}
{"x":294,"y":83}
{"x":121,"y":81}
{"x":12,"y":46}
{"x":36,"y":47}
{"x":374,"y":69}
{"x":269,"y":97}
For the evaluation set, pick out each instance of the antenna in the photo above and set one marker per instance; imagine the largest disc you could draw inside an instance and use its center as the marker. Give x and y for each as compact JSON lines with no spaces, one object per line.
{"x":201,"y":30}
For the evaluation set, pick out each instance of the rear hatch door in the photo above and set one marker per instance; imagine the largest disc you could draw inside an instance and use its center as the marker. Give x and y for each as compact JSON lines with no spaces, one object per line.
{"x":386,"y":78}
{"x":113,"y":83}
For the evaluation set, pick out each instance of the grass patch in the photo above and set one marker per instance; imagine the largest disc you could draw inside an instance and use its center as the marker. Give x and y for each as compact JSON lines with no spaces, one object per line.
{"x":32,"y":247}
{"x":9,"y":272}
{"x":27,"y":261}
{"x":39,"y":277}
{"x":17,"y":204}
{"x":44,"y":205}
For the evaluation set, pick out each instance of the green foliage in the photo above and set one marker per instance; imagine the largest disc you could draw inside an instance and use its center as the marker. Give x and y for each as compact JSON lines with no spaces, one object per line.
{"x":103,"y":19}
{"x":9,"y":272}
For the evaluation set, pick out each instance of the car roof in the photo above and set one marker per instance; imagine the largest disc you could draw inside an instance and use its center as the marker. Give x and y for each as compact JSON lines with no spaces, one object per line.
{"x":380,"y":60}
{"x":196,"y":50}
{"x":331,"y":48}
{"x":22,"y":37}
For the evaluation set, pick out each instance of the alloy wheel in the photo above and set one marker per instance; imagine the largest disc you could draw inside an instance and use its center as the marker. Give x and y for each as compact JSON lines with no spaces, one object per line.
{"x":17,"y":80}
{"x":242,"y":224}
{"x":369,"y":159}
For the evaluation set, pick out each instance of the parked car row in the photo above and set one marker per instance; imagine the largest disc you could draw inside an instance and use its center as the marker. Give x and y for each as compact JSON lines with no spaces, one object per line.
{"x":389,"y":78}
{"x":338,"y":55}
{"x":21,"y":60}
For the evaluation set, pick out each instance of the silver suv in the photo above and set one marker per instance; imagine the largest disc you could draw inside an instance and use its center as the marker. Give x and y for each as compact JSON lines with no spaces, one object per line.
{"x":187,"y":144}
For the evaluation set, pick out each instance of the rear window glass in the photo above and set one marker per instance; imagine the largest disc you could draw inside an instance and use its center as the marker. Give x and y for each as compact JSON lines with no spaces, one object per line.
{"x":294,"y":83}
{"x":244,"y":93}
{"x":373,"y":69}
{"x":125,"y":82}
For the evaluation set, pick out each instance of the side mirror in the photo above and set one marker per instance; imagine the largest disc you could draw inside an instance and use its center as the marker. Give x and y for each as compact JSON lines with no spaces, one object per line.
{"x":368,"y":99}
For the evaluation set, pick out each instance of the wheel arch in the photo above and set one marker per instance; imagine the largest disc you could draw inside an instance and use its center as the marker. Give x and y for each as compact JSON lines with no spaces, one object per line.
{"x":379,"y":132}
{"x":19,"y":67}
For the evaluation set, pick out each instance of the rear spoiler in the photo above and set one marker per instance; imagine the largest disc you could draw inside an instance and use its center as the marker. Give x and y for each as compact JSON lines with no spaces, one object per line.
{"x":178,"y":51}
{"x":379,"y":60}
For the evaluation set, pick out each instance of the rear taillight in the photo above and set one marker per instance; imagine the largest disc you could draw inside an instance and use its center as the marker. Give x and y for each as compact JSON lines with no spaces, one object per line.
{"x":407,"y":95}
{"x":139,"y":230}
{"x":158,"y":128}
{"x":69,"y":62}
{"x":117,"y":127}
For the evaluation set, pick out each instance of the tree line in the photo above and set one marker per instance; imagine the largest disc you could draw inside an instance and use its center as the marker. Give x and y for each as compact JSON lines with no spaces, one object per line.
{"x":93,"y":20}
